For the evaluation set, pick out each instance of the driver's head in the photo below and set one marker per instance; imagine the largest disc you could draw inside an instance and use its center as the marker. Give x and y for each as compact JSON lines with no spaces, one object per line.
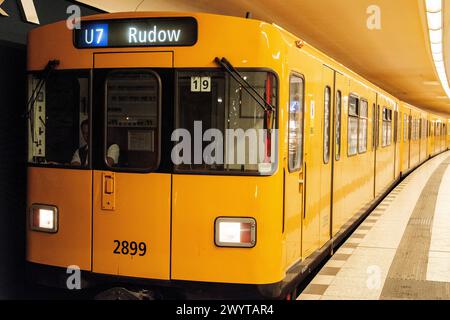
{"x":85,"y":130}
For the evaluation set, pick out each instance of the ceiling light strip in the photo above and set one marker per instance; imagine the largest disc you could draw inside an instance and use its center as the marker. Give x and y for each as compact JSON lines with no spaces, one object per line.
{"x":435,"y":32}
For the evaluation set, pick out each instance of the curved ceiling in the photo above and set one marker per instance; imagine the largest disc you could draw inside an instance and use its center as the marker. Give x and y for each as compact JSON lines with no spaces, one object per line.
{"x":395,"y":57}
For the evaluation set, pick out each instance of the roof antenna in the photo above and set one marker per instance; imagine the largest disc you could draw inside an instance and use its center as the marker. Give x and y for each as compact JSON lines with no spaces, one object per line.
{"x":248,"y":15}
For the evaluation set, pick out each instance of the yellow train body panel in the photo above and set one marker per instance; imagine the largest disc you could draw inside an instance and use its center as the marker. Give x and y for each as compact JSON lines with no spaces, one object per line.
{"x":70,"y":192}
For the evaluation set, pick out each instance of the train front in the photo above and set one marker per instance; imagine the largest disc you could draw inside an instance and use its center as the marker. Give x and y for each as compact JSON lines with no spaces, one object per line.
{"x":153,"y":155}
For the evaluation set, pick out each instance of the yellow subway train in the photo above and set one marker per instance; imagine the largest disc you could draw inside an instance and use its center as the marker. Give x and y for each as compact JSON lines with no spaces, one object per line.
{"x":194,"y":155}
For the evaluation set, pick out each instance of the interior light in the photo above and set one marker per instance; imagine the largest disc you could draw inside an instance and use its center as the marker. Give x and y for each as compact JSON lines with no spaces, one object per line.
{"x":436,"y":47}
{"x":436,"y":36}
{"x":434,"y":5}
{"x":440,"y":65}
{"x":438,"y":57}
{"x":434,"y":20}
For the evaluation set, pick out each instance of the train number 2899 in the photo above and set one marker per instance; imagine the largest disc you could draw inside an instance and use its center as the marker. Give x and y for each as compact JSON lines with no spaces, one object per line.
{"x":131,"y":248}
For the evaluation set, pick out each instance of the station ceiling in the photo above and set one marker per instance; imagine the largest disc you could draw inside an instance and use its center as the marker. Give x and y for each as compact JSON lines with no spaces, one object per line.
{"x":395,"y":57}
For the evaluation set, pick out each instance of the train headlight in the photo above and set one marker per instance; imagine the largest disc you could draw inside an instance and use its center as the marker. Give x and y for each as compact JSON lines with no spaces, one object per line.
{"x":235,"y":232}
{"x":44,"y":218}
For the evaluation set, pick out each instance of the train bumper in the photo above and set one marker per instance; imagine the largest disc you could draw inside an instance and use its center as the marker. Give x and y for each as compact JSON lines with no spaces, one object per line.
{"x":56,"y":277}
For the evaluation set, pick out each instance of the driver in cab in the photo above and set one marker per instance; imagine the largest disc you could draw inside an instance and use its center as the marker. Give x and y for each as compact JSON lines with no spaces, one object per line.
{"x":80,"y":156}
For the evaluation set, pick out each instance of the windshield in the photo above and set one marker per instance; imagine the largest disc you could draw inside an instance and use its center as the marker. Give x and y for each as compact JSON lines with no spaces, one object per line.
{"x":59,"y":119}
{"x":220,"y":127}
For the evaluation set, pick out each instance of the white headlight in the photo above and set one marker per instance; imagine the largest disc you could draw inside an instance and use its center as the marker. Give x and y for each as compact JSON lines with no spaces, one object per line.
{"x":44,"y":218}
{"x":235,"y":232}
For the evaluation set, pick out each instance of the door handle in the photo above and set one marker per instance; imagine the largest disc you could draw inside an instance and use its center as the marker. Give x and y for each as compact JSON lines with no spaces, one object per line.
{"x":108,"y":191}
{"x":109,"y":184}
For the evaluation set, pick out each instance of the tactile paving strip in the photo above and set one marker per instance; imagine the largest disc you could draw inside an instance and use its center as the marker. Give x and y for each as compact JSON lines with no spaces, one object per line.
{"x":319,"y":285}
{"x":407,"y":275}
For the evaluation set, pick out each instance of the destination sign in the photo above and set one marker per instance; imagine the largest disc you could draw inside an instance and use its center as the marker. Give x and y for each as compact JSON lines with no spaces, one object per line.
{"x":137,"y":33}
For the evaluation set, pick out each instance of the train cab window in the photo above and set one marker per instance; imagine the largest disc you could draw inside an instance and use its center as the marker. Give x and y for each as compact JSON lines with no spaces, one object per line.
{"x":338,"y":124}
{"x":353,"y":111}
{"x":326,"y":125}
{"x":296,"y":106}
{"x":386,"y":128}
{"x":362,"y":128}
{"x":58,"y":119}
{"x":132,"y":136}
{"x":239,"y":130}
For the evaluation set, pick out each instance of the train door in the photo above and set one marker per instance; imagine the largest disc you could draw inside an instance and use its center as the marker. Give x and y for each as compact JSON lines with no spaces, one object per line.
{"x":327,"y":156}
{"x":409,"y":138}
{"x":294,"y":178}
{"x":131,"y":198}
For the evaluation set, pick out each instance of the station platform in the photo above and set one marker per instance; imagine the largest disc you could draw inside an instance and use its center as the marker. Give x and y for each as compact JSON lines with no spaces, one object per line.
{"x":401,"y":250}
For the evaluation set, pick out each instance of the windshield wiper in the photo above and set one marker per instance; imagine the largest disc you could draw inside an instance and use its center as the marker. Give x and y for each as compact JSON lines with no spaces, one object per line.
{"x":51,"y":65}
{"x":232,"y":71}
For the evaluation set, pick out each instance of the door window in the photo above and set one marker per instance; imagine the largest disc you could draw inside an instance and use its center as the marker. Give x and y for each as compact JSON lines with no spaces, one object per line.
{"x":326,"y":125}
{"x":296,"y":101}
{"x":132,"y":120}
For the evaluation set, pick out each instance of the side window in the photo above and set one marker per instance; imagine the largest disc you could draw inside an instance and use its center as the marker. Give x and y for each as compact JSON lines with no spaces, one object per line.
{"x":395,"y":125}
{"x":378,"y":125}
{"x":415,"y":129}
{"x":326,"y":125}
{"x":338,"y":124}
{"x":296,"y":101}
{"x":352,"y":142}
{"x":132,"y":136}
{"x":363,"y":114}
{"x":374,"y":120}
{"x":387,"y":127}
{"x":409,"y":127}
{"x":405,"y":127}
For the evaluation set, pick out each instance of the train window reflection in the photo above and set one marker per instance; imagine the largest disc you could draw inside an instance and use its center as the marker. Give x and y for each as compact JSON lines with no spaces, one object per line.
{"x":228,"y":130}
{"x":338,"y":124}
{"x":296,"y":104}
{"x":326,"y":125}
{"x":405,"y":127}
{"x":386,"y":127}
{"x":363,"y":115}
{"x":353,"y":110}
